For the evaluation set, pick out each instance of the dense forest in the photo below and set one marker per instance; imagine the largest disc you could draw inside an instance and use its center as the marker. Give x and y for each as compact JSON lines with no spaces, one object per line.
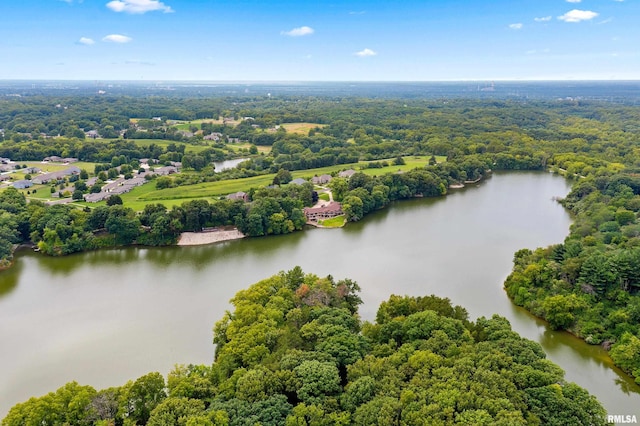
{"x":294,"y":352}
{"x":587,"y":285}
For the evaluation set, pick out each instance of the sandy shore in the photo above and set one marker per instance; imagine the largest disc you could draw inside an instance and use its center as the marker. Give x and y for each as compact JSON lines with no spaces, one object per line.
{"x":208,"y":237}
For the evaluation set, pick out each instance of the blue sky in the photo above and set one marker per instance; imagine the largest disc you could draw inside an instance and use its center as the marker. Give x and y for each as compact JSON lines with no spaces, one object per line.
{"x":284,"y":40}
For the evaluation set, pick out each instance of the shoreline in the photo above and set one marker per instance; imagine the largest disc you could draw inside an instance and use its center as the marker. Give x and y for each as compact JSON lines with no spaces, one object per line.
{"x":209,"y":237}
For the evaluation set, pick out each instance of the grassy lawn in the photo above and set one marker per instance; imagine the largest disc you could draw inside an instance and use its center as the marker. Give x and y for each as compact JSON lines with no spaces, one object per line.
{"x":334,"y":222}
{"x":300,"y":128}
{"x":55,"y":167}
{"x":43,"y":193}
{"x":324,"y":196}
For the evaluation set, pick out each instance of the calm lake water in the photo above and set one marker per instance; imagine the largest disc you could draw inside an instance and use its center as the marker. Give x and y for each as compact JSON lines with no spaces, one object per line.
{"x":105,"y":317}
{"x":220,"y":166}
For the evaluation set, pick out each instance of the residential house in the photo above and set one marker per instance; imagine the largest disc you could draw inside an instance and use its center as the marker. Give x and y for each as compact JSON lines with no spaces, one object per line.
{"x":133,"y":182}
{"x":321,"y":180}
{"x":94,"y":198}
{"x":55,"y":176}
{"x":215,"y":136}
{"x":238,"y":196}
{"x":326,"y":211}
{"x":22,"y":184}
{"x":56,"y":159}
{"x":92,"y":134}
{"x":166,"y":170}
{"x":347,"y":173}
{"x":52,"y":159}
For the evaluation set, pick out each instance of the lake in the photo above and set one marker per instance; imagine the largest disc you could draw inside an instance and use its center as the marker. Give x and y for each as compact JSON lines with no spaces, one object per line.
{"x":105,"y":317}
{"x":221,"y":166}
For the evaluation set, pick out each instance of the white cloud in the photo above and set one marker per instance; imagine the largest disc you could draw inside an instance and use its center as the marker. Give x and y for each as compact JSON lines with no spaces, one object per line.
{"x":138,"y":62}
{"x":574,"y":1}
{"x":576,"y":15}
{"x":117,"y":38}
{"x":86,"y":40}
{"x":366,"y":52}
{"x":299,"y":32}
{"x":536,"y":52}
{"x":543,"y":19}
{"x":517,"y":26}
{"x":138,"y":6}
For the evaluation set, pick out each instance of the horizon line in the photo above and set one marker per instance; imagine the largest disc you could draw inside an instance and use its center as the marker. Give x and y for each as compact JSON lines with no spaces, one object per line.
{"x":159,"y":81}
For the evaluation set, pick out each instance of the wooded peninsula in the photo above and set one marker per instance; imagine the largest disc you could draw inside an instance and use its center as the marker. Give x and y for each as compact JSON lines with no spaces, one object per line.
{"x":293,"y":352}
{"x":84,"y":172}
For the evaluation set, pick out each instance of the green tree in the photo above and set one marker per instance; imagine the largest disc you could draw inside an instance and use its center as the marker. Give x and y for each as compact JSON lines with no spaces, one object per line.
{"x":138,"y":399}
{"x":339,"y":187}
{"x":317,"y":380}
{"x":560,"y":310}
{"x":123,"y":223}
{"x":282,"y":177}
{"x":176,"y":411}
{"x":114,"y":200}
{"x":77,"y":195}
{"x":353,"y":208}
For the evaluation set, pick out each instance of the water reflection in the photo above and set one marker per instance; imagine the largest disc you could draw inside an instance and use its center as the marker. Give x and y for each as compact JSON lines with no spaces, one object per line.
{"x":9,"y":279}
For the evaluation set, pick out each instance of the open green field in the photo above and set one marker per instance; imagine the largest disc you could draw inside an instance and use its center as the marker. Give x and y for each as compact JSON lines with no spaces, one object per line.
{"x":300,"y":128}
{"x":147,"y":194}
